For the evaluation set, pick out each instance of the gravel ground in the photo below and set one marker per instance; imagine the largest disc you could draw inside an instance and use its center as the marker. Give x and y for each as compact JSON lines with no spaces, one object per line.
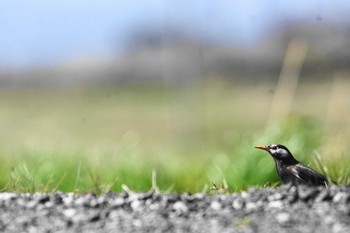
{"x":282,"y":209}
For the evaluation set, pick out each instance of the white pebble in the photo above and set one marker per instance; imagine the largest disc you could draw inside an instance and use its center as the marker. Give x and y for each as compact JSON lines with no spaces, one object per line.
{"x":282,"y":218}
{"x":245,"y":195}
{"x":237,"y":204}
{"x":215,"y":205}
{"x":180,"y":207}
{"x":340,"y":197}
{"x":251,"y":206}
{"x":69,"y":213}
{"x":275,"y":204}
{"x":7,"y":196}
{"x":136,"y":205}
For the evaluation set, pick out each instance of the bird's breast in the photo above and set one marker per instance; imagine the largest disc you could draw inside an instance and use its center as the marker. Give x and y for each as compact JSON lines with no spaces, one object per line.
{"x":283,"y":173}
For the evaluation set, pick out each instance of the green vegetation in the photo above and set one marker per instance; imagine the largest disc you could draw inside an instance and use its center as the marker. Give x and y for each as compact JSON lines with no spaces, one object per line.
{"x":97,"y":139}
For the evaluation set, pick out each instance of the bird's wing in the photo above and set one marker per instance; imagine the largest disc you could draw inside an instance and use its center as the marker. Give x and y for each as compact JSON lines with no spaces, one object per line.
{"x":307,"y":175}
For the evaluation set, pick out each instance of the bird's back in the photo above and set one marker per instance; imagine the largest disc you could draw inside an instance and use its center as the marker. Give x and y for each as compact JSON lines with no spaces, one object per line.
{"x":305,"y":175}
{"x":299,"y":174}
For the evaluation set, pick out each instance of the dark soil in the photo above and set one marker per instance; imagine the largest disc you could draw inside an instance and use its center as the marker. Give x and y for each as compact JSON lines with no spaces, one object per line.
{"x":282,"y":209}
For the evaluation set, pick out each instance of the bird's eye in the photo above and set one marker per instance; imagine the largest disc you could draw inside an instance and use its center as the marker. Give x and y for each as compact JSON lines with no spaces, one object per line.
{"x":274,"y":147}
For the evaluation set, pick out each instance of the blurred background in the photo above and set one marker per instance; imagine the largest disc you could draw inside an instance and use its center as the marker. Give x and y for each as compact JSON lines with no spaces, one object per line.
{"x":170,"y":94}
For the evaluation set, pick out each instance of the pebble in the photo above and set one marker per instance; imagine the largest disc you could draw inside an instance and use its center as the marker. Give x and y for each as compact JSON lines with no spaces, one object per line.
{"x":341,"y":197}
{"x":7,"y":196}
{"x":69,"y":199}
{"x":136,"y":205}
{"x":81,"y":201}
{"x":275,"y":204}
{"x":215,"y":205}
{"x":179,"y":206}
{"x":282,"y":218}
{"x":245,"y":195}
{"x":275,"y":197}
{"x":250,"y":206}
{"x":94,"y":203}
{"x":32,"y":204}
{"x":237,"y":204}
{"x":119,"y":201}
{"x":69,"y":213}
{"x":137,"y":223}
{"x":199,"y":196}
{"x":154,"y":206}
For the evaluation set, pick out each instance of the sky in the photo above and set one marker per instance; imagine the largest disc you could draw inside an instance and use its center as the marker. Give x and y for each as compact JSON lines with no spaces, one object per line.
{"x":42,"y":32}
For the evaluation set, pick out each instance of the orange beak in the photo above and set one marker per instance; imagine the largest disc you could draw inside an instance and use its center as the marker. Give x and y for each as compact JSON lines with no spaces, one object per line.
{"x":261,"y":147}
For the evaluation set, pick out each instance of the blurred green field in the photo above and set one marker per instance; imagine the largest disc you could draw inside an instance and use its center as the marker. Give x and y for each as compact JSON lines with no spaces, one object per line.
{"x":96,"y":139}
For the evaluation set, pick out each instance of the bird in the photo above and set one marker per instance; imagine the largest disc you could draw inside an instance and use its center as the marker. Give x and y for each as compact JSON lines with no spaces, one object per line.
{"x":290,"y":170}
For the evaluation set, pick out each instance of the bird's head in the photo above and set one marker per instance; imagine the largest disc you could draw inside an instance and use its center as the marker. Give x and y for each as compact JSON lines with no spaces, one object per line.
{"x":278,"y":152}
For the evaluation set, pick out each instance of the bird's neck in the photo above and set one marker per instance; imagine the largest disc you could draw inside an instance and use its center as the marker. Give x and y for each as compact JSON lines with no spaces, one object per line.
{"x":282,"y":171}
{"x":287,"y":161}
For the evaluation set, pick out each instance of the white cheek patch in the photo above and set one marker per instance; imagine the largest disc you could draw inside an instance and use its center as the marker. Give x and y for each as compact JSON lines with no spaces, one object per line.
{"x":281,"y":151}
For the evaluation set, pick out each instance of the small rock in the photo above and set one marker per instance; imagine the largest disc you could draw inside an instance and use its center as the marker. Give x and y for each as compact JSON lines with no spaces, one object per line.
{"x":275,"y":197}
{"x":136,"y":205}
{"x":215,"y":205}
{"x":282,"y":218}
{"x":199,"y":196}
{"x":245,"y":195}
{"x":154,"y":206}
{"x":101,"y":200}
{"x":7,"y":196}
{"x":179,"y":206}
{"x":237,"y":204}
{"x":118,"y":202}
{"x":69,"y":199}
{"x":31,"y":204}
{"x":137,"y":223}
{"x":275,"y":204}
{"x":341,"y":197}
{"x":69,"y":213}
{"x":49,"y":204}
{"x":251,"y":206}
{"x":132,"y":197}
{"x":94,"y":203}
{"x":81,"y":201}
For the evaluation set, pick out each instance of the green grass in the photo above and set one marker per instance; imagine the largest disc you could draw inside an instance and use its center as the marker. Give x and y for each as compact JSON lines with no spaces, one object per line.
{"x":97,"y":139}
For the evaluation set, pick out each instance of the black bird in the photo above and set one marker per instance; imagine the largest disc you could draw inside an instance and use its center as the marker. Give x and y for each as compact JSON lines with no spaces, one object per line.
{"x":290,"y":170}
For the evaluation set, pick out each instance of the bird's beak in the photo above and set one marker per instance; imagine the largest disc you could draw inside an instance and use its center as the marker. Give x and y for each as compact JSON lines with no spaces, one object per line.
{"x":261,"y":147}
